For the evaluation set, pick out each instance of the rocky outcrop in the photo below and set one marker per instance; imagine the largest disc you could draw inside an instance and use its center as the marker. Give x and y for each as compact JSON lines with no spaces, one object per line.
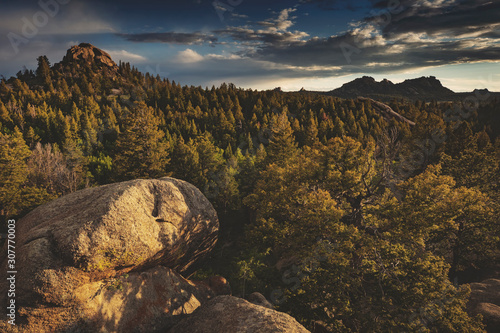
{"x":235,"y":315}
{"x":365,"y":85}
{"x":423,"y":88}
{"x":259,"y":299}
{"x":485,"y":300}
{"x":108,"y":256}
{"x":89,"y":54}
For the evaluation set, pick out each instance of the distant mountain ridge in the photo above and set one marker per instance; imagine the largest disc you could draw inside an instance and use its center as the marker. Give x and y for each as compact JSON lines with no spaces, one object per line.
{"x":423,"y":88}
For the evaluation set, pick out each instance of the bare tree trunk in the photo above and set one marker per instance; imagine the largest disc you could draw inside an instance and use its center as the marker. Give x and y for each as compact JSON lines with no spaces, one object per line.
{"x":456,"y":253}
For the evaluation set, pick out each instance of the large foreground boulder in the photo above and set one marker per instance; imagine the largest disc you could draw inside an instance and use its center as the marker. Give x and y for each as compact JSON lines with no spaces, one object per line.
{"x":485,"y":300}
{"x":108,"y":255}
{"x":236,"y":315}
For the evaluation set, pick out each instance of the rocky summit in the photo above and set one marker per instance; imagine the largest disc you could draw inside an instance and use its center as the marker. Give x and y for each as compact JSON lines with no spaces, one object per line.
{"x":89,"y":54}
{"x":423,"y":88}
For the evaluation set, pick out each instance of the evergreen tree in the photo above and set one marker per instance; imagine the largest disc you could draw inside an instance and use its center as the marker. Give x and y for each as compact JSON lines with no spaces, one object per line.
{"x":13,"y":170}
{"x":282,"y":145}
{"x":43,"y":72}
{"x":338,"y":129}
{"x":311,"y":136}
{"x":141,"y":151}
{"x":15,"y":195}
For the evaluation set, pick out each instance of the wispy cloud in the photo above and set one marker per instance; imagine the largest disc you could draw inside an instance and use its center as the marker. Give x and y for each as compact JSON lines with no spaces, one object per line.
{"x":171,"y":37}
{"x":332,"y":4}
{"x":273,"y":31}
{"x":239,"y":15}
{"x":125,"y":55}
{"x":188,"y":56}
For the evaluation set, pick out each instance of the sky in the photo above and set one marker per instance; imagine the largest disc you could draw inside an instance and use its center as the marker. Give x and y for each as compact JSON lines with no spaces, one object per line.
{"x":293,"y":44}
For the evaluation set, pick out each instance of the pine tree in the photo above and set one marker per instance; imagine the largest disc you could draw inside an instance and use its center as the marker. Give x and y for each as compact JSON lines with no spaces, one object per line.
{"x":141,"y":151}
{"x":43,"y":73}
{"x":338,"y":129}
{"x":282,"y":145}
{"x":15,"y":195}
{"x":311,"y":135}
{"x":4,"y":115}
{"x":13,"y":169}
{"x":185,"y":163}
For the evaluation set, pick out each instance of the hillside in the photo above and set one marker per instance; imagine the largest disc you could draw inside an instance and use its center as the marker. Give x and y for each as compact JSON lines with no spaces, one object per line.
{"x":348,"y":214}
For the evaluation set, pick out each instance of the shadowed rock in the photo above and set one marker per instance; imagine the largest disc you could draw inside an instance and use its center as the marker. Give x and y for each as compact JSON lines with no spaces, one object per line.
{"x":218,"y":284}
{"x":485,"y":300}
{"x":235,"y":315}
{"x":259,"y":299}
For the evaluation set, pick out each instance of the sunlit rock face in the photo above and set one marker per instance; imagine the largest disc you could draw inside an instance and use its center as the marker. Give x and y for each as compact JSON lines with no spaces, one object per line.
{"x":88,"y":53}
{"x":110,"y":256}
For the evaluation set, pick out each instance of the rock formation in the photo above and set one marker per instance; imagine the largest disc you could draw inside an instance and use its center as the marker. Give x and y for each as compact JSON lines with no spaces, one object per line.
{"x":106,"y":257}
{"x":235,"y":315}
{"x":88,"y":54}
{"x":423,"y":88}
{"x":485,"y":300}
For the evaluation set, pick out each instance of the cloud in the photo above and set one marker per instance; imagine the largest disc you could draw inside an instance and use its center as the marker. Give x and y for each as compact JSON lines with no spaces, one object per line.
{"x":281,"y":23}
{"x":354,"y":51}
{"x":451,"y":17}
{"x":170,"y":38}
{"x":332,"y":4}
{"x":239,"y":15}
{"x":188,"y":56}
{"x":126,"y":56}
{"x":273,"y":31}
{"x":223,"y":56}
{"x":415,"y":34}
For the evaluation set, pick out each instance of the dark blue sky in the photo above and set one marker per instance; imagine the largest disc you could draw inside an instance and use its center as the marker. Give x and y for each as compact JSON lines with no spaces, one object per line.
{"x":316,"y":44}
